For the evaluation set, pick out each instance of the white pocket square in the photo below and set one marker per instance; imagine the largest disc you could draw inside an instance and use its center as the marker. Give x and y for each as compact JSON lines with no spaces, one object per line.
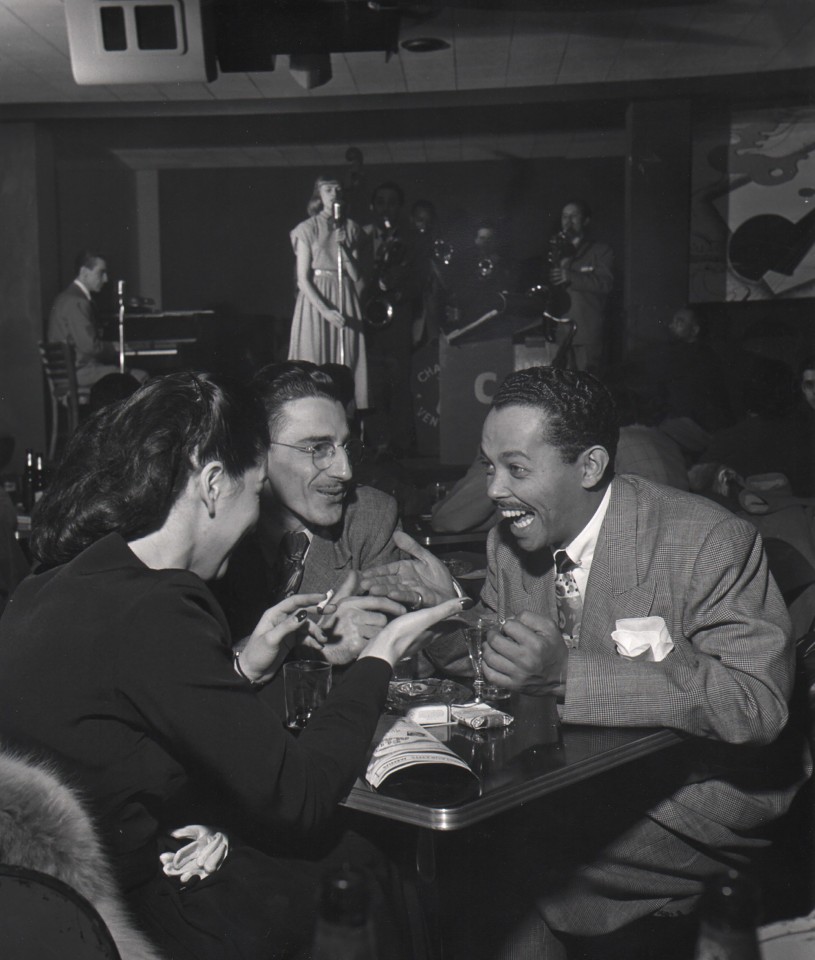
{"x":642,"y":638}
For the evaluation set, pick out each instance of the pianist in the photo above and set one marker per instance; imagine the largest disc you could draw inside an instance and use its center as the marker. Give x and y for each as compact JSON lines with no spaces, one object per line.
{"x":73,"y":320}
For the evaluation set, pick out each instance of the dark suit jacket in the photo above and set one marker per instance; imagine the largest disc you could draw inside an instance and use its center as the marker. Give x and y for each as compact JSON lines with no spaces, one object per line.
{"x":73,"y":320}
{"x":364,"y":538}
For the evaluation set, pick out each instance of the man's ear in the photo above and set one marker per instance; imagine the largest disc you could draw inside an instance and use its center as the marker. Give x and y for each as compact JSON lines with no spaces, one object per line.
{"x":594,"y":463}
{"x":210,"y":483}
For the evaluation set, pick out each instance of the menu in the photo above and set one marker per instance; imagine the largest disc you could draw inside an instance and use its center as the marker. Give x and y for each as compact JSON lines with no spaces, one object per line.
{"x":405,"y":744}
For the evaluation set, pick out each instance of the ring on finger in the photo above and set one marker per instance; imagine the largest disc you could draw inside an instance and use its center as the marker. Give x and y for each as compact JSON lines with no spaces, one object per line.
{"x":419,"y":603}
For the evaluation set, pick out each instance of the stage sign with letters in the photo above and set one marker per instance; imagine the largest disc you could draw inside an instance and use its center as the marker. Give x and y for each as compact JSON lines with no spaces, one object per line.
{"x":469,"y":374}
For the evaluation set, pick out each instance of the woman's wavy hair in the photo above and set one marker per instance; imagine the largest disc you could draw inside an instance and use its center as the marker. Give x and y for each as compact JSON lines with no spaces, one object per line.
{"x":315,"y":204}
{"x":126,"y":466}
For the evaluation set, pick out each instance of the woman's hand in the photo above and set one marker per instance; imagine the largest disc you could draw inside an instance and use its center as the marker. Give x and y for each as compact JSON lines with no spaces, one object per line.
{"x":335,"y":318}
{"x":405,"y":635}
{"x":352,"y":621}
{"x":275,"y":634}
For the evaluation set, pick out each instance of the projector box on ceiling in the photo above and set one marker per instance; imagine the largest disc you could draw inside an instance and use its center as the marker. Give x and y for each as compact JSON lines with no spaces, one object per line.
{"x":140,"y":41}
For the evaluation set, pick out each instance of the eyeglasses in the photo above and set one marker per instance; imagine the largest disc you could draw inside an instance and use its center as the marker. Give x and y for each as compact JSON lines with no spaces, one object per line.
{"x":324,"y":451}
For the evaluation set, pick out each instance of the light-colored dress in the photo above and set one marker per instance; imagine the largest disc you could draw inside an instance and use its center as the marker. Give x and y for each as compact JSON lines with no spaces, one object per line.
{"x":313,"y":338}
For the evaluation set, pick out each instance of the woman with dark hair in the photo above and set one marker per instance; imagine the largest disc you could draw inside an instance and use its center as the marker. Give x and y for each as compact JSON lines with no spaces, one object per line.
{"x":116,"y":662}
{"x":323,"y":330}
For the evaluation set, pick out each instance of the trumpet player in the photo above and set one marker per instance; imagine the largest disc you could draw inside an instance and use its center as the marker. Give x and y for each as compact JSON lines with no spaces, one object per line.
{"x":327,"y":322}
{"x":585,"y":267}
{"x":391,"y":288}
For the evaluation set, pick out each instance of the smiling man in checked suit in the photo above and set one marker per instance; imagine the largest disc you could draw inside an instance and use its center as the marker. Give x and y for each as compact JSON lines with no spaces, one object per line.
{"x":636,"y":550}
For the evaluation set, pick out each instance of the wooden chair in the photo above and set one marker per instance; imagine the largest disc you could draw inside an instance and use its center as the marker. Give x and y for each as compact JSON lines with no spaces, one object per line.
{"x":59,"y":365}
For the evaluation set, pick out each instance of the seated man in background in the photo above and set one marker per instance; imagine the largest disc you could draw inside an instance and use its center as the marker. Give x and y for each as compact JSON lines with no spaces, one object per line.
{"x":73,"y":320}
{"x":577,"y":551}
{"x":315,"y":526}
{"x":767,"y":439}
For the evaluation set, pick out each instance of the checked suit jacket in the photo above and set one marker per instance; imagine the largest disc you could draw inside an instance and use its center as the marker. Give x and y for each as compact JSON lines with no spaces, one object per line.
{"x":661,"y":552}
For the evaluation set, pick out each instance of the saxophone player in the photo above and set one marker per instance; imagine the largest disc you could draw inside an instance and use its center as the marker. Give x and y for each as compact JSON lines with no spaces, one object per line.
{"x":585,"y":267}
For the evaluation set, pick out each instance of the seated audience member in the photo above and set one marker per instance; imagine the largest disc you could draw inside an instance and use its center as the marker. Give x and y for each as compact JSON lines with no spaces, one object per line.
{"x":310,"y":497}
{"x":466,"y":506}
{"x":116,"y":663}
{"x":766,"y":438}
{"x":685,"y":374}
{"x":805,"y":420}
{"x":578,"y":550}
{"x":73,"y":320}
{"x":643,"y":449}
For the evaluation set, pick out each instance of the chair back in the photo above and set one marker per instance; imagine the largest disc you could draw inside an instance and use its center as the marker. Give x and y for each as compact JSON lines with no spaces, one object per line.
{"x":42,"y":918}
{"x":59,"y":363}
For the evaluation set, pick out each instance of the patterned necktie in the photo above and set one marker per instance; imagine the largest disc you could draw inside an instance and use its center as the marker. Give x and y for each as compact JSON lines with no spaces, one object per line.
{"x":293,"y":550}
{"x":569,"y":601}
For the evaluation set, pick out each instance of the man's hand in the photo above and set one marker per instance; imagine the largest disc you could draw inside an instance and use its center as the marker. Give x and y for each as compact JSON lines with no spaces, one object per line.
{"x":422,"y":581}
{"x":527,"y":655}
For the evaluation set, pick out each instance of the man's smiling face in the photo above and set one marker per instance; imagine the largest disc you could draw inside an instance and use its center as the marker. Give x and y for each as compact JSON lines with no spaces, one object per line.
{"x":307,"y":494}
{"x":542,"y":498}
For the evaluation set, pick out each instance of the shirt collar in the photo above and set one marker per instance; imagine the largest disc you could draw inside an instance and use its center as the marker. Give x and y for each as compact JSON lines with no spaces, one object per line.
{"x":581,"y":549}
{"x":83,"y":288}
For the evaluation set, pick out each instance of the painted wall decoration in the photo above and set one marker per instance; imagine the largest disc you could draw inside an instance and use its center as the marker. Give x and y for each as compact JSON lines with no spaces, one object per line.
{"x":753,"y":207}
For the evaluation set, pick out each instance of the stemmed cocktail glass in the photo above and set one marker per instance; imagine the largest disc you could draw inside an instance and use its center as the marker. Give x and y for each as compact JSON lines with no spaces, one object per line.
{"x":475,"y":635}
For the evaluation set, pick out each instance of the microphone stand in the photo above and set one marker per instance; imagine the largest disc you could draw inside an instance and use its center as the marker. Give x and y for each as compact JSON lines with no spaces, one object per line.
{"x":340,"y":285}
{"x":121,"y":294}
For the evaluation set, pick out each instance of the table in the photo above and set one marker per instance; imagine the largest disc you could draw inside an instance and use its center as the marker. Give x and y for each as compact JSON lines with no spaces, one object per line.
{"x":534,"y":757}
{"x":531,"y":758}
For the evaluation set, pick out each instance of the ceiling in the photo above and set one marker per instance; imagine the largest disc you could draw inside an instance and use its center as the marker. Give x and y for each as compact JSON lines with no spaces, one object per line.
{"x":508,"y":49}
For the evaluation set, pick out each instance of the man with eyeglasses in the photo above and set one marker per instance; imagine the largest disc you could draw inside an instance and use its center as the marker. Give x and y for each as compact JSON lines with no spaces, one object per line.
{"x":310,"y":501}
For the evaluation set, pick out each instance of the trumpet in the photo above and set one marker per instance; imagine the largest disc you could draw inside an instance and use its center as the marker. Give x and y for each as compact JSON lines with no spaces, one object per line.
{"x":443,"y":252}
{"x":486,"y":268}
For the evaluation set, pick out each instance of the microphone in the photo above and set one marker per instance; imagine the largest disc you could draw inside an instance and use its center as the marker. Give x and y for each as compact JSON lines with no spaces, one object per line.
{"x":337,"y":211}
{"x":120,"y":290}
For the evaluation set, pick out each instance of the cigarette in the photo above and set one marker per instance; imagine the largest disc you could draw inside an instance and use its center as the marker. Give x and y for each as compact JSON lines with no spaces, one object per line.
{"x":324,"y":603}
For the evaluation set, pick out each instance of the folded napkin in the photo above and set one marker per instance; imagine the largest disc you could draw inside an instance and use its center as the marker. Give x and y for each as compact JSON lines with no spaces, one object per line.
{"x":642,"y":638}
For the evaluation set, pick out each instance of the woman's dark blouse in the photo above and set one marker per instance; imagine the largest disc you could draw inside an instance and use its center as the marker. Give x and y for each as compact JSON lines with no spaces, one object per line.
{"x":125,"y":674}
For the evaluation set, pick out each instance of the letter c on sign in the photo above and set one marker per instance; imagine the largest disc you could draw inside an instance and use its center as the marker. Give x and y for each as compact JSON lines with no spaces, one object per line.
{"x":479,"y":387}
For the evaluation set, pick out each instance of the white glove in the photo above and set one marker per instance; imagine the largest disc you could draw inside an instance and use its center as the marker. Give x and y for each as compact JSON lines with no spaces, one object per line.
{"x":200,"y":858}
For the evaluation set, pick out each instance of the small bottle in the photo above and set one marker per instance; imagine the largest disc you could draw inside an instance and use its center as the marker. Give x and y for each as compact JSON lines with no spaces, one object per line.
{"x":344,"y":928}
{"x":29,"y":481}
{"x":728,"y":913}
{"x":39,"y":477}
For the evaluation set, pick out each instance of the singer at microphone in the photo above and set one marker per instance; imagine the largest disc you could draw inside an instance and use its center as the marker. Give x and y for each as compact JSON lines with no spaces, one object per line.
{"x":325,"y":328}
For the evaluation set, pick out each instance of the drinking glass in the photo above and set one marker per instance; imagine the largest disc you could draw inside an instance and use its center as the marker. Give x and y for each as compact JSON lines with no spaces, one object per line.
{"x":475,"y":636}
{"x":306,"y":684}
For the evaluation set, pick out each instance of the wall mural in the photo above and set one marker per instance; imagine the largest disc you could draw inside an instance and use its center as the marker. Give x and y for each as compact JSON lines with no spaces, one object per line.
{"x":753,"y":207}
